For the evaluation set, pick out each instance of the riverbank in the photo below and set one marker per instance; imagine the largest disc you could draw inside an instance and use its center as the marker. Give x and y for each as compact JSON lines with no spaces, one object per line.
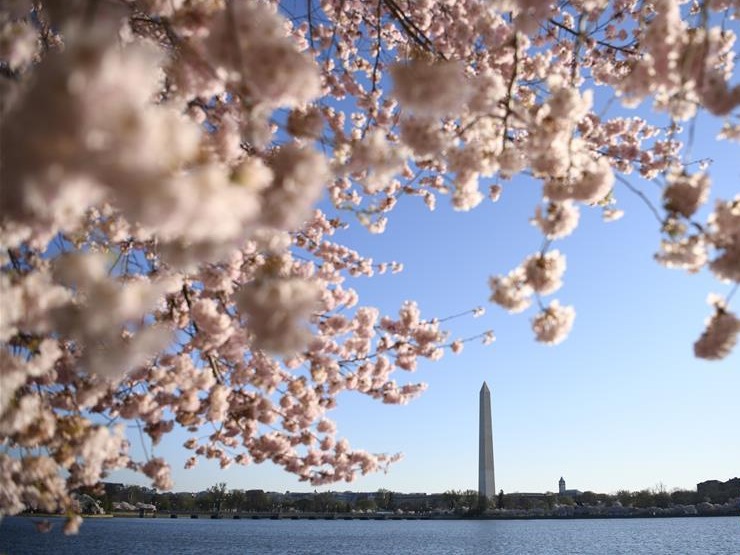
{"x":653,"y":512}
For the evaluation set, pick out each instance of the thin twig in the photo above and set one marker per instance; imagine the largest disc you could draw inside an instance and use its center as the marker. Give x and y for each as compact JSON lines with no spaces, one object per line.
{"x":642,"y":195}
{"x":599,"y":42}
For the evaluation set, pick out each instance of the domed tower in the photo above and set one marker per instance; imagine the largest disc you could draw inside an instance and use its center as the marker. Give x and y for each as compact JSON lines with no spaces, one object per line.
{"x":561,"y":486}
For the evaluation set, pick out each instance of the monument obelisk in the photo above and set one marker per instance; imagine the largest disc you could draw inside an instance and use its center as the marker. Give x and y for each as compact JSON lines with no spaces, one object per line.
{"x":486,"y":480}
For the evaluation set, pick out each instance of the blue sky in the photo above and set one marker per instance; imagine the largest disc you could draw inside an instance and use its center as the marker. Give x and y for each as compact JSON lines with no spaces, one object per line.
{"x":622,"y":404}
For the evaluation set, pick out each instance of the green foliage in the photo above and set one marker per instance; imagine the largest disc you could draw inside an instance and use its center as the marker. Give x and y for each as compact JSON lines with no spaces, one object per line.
{"x":384,"y":499}
{"x":685,"y":497}
{"x":452,"y":498}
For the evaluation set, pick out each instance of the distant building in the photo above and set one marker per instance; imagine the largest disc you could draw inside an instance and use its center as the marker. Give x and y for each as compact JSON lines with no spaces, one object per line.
{"x":486,"y":478}
{"x":567,"y":492}
{"x":719,"y":492}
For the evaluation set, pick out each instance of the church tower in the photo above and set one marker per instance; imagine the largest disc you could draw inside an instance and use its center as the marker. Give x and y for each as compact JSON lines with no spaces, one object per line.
{"x":561,"y":486}
{"x":486,"y":480}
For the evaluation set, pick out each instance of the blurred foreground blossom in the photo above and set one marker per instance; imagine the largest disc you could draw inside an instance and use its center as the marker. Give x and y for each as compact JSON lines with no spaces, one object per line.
{"x":163,"y":258}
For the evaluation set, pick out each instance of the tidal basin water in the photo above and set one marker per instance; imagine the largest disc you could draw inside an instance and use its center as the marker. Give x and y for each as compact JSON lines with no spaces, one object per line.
{"x":658,"y":536}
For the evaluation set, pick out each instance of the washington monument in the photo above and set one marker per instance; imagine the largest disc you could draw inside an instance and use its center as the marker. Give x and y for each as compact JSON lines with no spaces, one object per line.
{"x":486,"y":480}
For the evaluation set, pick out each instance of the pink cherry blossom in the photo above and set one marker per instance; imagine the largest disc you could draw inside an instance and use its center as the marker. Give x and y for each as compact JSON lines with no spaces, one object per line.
{"x":553,"y":324}
{"x":720,"y":335}
{"x":164,"y":260}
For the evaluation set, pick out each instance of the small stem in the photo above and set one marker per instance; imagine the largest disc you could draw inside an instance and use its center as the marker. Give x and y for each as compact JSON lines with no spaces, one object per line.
{"x":642,"y":195}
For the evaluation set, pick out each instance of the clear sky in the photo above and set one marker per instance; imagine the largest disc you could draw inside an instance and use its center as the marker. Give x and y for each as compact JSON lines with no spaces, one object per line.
{"x":621,"y":404}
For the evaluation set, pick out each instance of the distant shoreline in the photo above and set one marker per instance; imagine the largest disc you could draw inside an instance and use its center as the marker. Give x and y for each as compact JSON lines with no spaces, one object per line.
{"x":374,"y":516}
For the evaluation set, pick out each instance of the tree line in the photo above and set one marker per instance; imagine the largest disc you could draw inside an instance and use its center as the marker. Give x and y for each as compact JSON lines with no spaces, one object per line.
{"x":218,"y":498}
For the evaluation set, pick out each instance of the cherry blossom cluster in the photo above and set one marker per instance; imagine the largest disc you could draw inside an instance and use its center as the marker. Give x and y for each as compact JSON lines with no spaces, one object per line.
{"x":164,"y":263}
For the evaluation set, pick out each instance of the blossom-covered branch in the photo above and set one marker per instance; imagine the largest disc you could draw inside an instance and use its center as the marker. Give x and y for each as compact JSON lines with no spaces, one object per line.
{"x":164,"y":260}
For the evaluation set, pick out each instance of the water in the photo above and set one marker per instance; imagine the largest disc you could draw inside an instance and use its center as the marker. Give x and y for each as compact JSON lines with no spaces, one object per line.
{"x":124,"y":536}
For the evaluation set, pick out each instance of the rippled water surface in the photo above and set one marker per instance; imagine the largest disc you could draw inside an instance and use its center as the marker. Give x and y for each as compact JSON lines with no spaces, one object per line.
{"x":659,"y":536}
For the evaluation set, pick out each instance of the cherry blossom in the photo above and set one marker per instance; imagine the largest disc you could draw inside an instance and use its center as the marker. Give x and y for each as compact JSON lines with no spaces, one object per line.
{"x":721,"y":333}
{"x":165,"y":264}
{"x":544,"y":271}
{"x":553,"y":324}
{"x":684,"y":194}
